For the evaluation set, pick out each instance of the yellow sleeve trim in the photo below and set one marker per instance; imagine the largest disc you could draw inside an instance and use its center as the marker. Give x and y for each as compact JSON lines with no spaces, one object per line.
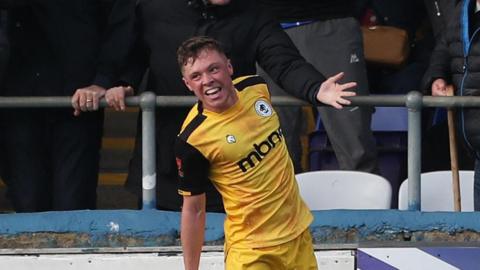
{"x":184,"y":193}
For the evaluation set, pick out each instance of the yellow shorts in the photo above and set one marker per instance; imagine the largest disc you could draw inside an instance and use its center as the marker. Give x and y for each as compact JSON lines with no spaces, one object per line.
{"x":296,"y":254}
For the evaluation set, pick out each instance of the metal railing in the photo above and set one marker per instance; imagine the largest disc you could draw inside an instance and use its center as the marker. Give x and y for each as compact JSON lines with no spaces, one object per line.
{"x":147,"y":102}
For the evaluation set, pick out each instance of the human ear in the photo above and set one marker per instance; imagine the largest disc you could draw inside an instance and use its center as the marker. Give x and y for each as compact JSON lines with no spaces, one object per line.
{"x":230,"y":67}
{"x":187,"y":84}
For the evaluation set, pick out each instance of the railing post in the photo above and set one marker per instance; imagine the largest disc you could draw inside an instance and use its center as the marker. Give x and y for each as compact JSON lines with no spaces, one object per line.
{"x":414,"y":105}
{"x":149,"y":176}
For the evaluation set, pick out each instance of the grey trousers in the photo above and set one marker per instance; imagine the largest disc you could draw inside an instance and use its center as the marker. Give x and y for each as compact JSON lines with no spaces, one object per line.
{"x":333,"y":46}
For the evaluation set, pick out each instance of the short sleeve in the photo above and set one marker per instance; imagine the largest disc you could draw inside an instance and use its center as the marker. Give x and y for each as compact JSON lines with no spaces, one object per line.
{"x":193,"y":169}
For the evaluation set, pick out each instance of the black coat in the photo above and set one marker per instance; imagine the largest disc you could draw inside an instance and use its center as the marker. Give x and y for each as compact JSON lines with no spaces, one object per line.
{"x":147,"y":33}
{"x":440,"y":13}
{"x":304,"y":10}
{"x":54,"y":46}
{"x":151,"y":31}
{"x":456,"y":59}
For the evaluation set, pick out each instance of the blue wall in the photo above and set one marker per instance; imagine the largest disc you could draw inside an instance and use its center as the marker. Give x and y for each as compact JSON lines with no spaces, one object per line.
{"x":159,"y":228}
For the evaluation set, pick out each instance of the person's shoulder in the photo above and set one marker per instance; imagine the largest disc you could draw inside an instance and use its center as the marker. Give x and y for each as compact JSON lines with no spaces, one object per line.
{"x":256,"y":85}
{"x":193,"y":120}
{"x":241,"y":83}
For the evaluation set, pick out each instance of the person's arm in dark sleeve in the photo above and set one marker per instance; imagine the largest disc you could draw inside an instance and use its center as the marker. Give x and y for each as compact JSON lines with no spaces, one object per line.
{"x":128,"y":81}
{"x":279,"y":57}
{"x":439,"y":67}
{"x":137,"y":63}
{"x":282,"y":61}
{"x":121,"y":37}
{"x":123,"y":58}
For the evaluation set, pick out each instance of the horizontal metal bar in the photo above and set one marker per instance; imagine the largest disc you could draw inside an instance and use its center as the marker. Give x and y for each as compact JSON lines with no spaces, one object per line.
{"x":384,"y":100}
{"x":182,"y":101}
{"x":380,"y":100}
{"x":465,"y":101}
{"x":52,"y":102}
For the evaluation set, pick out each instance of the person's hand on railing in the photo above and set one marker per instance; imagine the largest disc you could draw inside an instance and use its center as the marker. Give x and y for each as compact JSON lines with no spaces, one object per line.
{"x":333,"y":93}
{"x":87,"y":99}
{"x":439,"y":87}
{"x":115,"y":96}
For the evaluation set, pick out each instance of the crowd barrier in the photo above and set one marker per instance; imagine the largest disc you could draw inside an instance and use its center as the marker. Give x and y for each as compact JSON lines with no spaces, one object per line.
{"x":149,"y":230}
{"x":147,"y":101}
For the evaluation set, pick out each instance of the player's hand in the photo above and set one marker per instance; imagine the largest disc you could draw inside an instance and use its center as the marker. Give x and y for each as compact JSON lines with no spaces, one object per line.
{"x":333,"y":93}
{"x":115,"y":97}
{"x":439,"y":88}
{"x":87,"y":99}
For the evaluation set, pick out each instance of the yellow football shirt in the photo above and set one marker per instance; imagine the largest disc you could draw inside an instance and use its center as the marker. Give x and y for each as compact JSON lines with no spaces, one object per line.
{"x":242,"y":151}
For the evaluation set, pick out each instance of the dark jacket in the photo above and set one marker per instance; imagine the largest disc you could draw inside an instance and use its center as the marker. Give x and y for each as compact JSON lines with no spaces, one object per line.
{"x":54,"y":46}
{"x":456,"y":59}
{"x":440,"y":13}
{"x":305,"y":10}
{"x":151,"y":32}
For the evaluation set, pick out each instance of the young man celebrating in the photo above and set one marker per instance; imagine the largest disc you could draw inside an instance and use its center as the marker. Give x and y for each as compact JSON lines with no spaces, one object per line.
{"x":232,"y":138}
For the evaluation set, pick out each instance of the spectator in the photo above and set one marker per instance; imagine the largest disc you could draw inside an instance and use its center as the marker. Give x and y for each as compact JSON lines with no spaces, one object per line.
{"x":408,"y":15}
{"x":434,"y":120}
{"x":439,"y":12}
{"x":52,"y":155}
{"x":157,"y":28}
{"x":314,"y":26}
{"x":261,"y":197}
{"x":448,"y":65}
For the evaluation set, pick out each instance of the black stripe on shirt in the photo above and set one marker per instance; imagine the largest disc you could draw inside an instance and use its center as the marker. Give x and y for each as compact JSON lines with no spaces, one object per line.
{"x":199,"y":118}
{"x":249,"y":82}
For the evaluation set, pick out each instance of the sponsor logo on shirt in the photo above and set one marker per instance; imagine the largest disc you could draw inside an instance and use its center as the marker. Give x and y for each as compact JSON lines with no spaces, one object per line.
{"x":260,"y":151}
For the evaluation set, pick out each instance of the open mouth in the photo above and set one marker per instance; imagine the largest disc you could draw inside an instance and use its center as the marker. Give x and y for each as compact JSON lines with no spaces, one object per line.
{"x":212,"y":91}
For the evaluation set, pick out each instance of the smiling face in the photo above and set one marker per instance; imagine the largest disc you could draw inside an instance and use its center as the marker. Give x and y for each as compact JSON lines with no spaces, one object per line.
{"x":208,"y":76}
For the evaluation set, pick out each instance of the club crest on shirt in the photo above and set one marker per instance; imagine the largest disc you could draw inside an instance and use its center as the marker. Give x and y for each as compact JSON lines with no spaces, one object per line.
{"x":263,"y":108}
{"x":231,"y":139}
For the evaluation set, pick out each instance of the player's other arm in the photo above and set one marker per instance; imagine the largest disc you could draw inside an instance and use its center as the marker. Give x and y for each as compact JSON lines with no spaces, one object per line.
{"x":192,"y":229}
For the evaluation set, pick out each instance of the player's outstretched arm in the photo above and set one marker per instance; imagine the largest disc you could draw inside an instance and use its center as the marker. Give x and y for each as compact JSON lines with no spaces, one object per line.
{"x":193,"y":229}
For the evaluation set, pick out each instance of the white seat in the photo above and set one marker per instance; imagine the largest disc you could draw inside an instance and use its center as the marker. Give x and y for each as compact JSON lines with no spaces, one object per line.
{"x":437,"y":194}
{"x":323,"y":190}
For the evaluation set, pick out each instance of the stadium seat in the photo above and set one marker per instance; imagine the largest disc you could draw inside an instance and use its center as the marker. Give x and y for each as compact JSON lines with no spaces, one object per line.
{"x":389,"y":127}
{"x":323,"y":190}
{"x":437,"y":194}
